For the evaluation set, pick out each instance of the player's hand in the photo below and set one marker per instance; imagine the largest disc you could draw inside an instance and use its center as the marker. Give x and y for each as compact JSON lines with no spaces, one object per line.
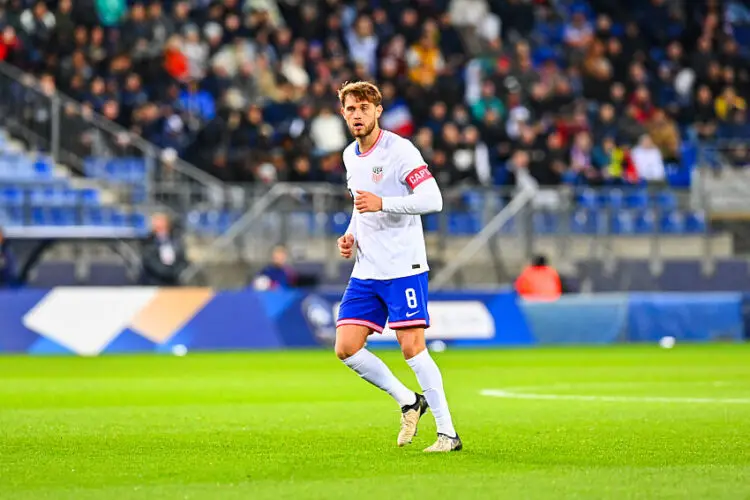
{"x":368,"y":202}
{"x":346,"y":246}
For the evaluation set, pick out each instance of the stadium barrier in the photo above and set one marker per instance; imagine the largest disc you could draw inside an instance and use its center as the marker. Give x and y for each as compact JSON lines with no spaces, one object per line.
{"x":92,"y":321}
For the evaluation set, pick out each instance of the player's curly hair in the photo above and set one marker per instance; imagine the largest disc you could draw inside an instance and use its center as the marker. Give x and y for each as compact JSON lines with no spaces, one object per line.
{"x":362,"y":91}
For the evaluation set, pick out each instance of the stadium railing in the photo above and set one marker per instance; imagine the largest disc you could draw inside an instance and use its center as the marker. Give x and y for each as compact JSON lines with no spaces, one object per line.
{"x":490,"y":230}
{"x":48,"y":121}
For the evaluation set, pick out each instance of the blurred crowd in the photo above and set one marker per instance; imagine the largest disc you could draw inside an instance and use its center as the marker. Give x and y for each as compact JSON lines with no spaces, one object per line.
{"x":491,"y":91}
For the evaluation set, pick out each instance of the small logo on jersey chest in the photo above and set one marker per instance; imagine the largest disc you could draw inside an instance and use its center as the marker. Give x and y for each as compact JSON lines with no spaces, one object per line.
{"x":377,"y":174}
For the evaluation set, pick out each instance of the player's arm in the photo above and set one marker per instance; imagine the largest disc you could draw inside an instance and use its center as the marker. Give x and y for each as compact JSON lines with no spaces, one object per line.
{"x":425,"y":194}
{"x":346,"y":243}
{"x":424,"y":199}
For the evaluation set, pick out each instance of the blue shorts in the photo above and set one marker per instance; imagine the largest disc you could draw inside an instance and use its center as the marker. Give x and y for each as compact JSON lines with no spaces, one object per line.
{"x":401,"y":301}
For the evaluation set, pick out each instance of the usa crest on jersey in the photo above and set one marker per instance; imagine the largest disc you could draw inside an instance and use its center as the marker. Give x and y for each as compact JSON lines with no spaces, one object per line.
{"x":377,"y":174}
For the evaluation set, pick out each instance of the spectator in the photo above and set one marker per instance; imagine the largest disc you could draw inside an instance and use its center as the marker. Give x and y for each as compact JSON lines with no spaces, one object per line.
{"x":487,"y":102}
{"x":363,"y":44}
{"x":195,"y":51}
{"x":630,"y":126}
{"x":578,"y":35}
{"x":539,"y":281}
{"x":728,"y":102}
{"x":163,"y":255}
{"x":176,"y":63}
{"x":278,"y":274}
{"x":471,"y":159}
{"x":703,"y":114}
{"x":110,"y":12}
{"x":606,"y":123}
{"x":327,"y":132}
{"x":619,"y":168}
{"x":425,"y":60}
{"x":197,"y":103}
{"x":665,"y":135}
{"x":581,"y":158}
{"x":648,"y":161}
{"x":8,"y":272}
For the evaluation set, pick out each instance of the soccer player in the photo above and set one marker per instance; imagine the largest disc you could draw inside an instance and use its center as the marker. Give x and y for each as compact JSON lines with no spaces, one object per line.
{"x":391,"y":187}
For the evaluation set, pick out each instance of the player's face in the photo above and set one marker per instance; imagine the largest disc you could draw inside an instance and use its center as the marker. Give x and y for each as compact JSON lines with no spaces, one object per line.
{"x":360,"y":116}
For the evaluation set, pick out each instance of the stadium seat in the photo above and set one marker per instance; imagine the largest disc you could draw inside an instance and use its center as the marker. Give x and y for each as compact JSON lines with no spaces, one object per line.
{"x":613,"y":198}
{"x":623,"y":223}
{"x":462,"y":223}
{"x":119,"y":219}
{"x":339,"y":222}
{"x":695,"y":222}
{"x":673,"y":222}
{"x":431,"y":222}
{"x":89,"y":197}
{"x":95,"y":216}
{"x":138,"y":221}
{"x":62,"y":216}
{"x":637,"y":198}
{"x":43,"y":168}
{"x":584,"y":222}
{"x":11,"y":196}
{"x":666,"y":200}
{"x":546,"y":223}
{"x":645,"y":222}
{"x":587,"y":198}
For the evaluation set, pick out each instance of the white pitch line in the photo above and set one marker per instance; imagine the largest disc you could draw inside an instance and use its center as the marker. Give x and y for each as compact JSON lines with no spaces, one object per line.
{"x":499,"y":393}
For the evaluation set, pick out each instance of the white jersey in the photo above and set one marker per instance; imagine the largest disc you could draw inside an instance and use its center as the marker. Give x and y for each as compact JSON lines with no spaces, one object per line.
{"x":389,"y":245}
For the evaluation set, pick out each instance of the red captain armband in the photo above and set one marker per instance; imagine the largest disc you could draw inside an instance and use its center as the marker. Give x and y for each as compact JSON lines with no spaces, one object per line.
{"x":418,"y":176}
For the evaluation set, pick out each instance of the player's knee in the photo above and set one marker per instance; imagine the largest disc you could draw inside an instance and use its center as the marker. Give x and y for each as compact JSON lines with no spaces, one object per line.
{"x":344,"y":349}
{"x":411,"y":344}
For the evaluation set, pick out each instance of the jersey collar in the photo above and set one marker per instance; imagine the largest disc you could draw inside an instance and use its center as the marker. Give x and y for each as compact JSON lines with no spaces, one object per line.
{"x":377,"y":141}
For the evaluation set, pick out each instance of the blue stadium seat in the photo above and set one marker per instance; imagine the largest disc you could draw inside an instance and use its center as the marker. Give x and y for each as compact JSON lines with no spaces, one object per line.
{"x":584,"y":222}
{"x":666,"y":200}
{"x":43,"y":168}
{"x":546,"y":223}
{"x":695,"y":222}
{"x":119,"y":219}
{"x":94,"y":167}
{"x":53,"y":196}
{"x":431,"y":222}
{"x":637,"y":198}
{"x":613,"y":198}
{"x":587,"y":198}
{"x":623,"y":223}
{"x":473,"y":200}
{"x":89,"y":197}
{"x":138,"y":221}
{"x":11,"y":196}
{"x":645,"y":222}
{"x":40,"y":216}
{"x":62,"y":216}
{"x":463,"y":223}
{"x":11,"y":216}
{"x":96,"y":216}
{"x":673,"y":222}
{"x":339,"y":222}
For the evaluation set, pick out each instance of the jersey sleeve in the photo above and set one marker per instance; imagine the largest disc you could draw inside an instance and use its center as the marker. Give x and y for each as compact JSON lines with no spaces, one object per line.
{"x":413,"y":169}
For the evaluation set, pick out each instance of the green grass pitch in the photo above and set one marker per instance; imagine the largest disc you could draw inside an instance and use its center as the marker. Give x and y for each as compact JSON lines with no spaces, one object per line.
{"x":599,"y":422}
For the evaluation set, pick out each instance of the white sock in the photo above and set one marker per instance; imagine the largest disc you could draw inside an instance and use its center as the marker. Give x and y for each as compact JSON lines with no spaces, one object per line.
{"x":371,"y":368}
{"x":431,"y":381}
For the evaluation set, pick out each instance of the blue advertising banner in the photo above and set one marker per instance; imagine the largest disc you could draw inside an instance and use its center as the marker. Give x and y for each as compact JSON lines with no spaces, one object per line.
{"x":92,"y":321}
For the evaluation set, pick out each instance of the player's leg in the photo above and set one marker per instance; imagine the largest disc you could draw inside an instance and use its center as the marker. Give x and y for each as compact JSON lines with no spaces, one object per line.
{"x":361,"y":313}
{"x":408,"y":315}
